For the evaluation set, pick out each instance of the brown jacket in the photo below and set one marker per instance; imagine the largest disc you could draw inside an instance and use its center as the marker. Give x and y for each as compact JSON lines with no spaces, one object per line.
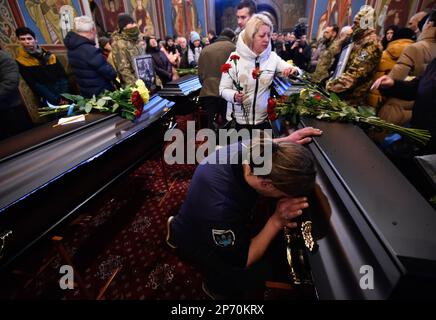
{"x":415,"y":58}
{"x":211,"y":59}
{"x":412,"y":62}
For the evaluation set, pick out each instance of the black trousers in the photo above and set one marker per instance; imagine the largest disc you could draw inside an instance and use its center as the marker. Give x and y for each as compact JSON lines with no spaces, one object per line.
{"x":215,"y":106}
{"x":13,"y":121}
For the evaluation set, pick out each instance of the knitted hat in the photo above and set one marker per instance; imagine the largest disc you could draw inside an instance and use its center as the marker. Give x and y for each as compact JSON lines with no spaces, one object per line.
{"x":123,"y":20}
{"x":194,"y":36}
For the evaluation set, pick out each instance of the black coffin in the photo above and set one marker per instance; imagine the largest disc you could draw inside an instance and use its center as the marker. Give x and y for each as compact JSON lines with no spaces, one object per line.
{"x":378,"y":220}
{"x":43,"y":185}
{"x":184,"y":92}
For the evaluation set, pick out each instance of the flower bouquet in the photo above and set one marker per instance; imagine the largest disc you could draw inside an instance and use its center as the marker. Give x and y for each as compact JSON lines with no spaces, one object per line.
{"x":315,"y":102}
{"x":225,"y":68}
{"x":129,"y":102}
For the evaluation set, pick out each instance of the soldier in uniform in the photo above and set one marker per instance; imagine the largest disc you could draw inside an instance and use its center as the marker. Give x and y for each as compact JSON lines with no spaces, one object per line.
{"x":126,"y":45}
{"x":328,"y":59}
{"x":354,"y":83}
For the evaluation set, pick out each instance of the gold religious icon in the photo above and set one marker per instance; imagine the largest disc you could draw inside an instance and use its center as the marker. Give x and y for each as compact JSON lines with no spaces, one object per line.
{"x":306,"y":231}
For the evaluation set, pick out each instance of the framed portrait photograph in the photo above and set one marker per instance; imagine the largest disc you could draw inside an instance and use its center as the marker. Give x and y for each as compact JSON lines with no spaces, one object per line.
{"x":343,"y":59}
{"x":144,"y":69}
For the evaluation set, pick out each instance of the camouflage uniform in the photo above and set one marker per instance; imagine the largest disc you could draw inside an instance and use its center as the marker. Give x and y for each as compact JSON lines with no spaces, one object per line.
{"x":123,"y":51}
{"x":354,"y":84}
{"x":326,"y":60}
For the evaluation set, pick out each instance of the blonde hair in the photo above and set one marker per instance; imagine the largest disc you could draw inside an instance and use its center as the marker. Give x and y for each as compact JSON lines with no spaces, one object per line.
{"x":253,"y":26}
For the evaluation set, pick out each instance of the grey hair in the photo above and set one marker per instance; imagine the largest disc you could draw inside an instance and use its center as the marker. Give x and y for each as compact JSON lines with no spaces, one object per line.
{"x":83,"y":24}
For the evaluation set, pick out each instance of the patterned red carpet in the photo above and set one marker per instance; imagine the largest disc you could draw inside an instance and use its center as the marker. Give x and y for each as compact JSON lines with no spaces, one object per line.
{"x":124,"y":229}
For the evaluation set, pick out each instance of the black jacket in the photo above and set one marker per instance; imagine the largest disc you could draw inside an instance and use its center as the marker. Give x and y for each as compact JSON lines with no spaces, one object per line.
{"x":93,"y":73}
{"x":162,"y":66}
{"x":9,"y":80}
{"x":423,"y":91}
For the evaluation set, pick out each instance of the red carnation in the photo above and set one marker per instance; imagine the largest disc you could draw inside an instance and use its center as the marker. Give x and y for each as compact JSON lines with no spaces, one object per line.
{"x":317,"y":97}
{"x":256,"y":73}
{"x":226,"y":67}
{"x":271,"y":109}
{"x":137,"y":113}
{"x":234,"y":57}
{"x":137,"y":100}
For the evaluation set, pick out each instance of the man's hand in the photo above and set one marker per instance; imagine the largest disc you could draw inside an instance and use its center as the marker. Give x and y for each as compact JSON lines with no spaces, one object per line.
{"x":383,"y":82}
{"x":288,"y":209}
{"x":301,"y":136}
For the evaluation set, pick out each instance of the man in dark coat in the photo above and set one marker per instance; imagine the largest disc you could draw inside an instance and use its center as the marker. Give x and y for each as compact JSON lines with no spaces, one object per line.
{"x":93,"y":73}
{"x":13,"y":116}
{"x":209,"y":72}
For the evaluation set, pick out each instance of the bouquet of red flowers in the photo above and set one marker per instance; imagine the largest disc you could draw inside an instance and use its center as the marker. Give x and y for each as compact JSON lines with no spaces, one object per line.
{"x":315,"y":102}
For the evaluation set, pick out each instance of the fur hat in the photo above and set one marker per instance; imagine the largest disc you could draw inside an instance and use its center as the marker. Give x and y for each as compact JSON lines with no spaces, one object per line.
{"x":194,"y":36}
{"x":123,"y":20}
{"x":367,"y":13}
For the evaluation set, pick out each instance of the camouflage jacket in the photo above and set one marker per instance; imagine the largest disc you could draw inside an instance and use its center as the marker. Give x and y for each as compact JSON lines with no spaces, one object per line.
{"x":326,"y":61}
{"x":353,"y":85}
{"x":123,"y":52}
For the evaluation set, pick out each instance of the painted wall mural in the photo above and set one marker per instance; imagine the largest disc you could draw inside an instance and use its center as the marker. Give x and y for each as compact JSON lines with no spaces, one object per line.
{"x":396,"y":12}
{"x":109,"y":10}
{"x":427,"y":5}
{"x":184,"y":16}
{"x":142,"y":14}
{"x":340,"y":12}
{"x":7,"y":24}
{"x":48,"y":19}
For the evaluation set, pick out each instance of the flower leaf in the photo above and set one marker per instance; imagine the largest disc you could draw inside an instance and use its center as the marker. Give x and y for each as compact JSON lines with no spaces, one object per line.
{"x":88,"y":107}
{"x":101,"y":102}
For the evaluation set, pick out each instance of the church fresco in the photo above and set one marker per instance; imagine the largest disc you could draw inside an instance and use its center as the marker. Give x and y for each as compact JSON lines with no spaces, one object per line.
{"x":340,"y":12}
{"x":109,"y":10}
{"x":48,"y":18}
{"x":142,"y":13}
{"x":7,"y":24}
{"x":184,"y":16}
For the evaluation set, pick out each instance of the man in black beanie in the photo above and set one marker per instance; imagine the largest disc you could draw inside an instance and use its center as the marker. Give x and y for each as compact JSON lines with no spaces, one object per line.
{"x":126,"y":45}
{"x":123,"y":20}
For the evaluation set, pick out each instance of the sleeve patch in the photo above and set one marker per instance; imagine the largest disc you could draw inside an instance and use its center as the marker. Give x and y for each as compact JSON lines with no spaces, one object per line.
{"x":223,"y":238}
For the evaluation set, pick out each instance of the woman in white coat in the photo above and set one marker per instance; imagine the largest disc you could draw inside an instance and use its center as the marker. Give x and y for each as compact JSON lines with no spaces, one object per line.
{"x":254,"y":51}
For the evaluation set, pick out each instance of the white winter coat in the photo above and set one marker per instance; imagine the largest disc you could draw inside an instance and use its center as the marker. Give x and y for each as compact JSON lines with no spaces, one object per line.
{"x":269,"y":61}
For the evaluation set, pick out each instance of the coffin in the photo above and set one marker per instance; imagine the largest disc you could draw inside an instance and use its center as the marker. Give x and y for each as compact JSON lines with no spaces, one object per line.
{"x":48,"y":173}
{"x":380,"y":240}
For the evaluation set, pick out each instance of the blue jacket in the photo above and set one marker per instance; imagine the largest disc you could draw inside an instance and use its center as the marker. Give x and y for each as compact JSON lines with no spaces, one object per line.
{"x":93,"y":73}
